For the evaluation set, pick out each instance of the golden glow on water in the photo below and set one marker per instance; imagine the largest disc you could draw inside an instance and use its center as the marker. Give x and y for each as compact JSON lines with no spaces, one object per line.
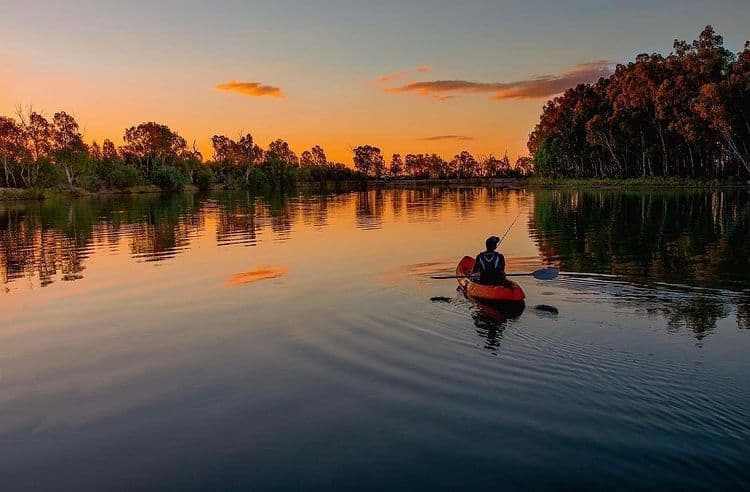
{"x":207,"y":240}
{"x":256,"y":275}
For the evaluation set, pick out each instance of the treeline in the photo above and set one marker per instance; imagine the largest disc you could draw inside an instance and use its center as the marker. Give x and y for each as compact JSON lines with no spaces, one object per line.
{"x":683,"y":115}
{"x":38,"y":153}
{"x":369,"y":161}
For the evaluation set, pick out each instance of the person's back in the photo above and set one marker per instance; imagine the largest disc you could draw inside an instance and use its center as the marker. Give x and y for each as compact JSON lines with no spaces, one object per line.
{"x":490,"y":264}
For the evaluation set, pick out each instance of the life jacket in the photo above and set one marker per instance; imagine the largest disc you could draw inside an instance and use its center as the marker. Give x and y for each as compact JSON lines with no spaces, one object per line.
{"x":491,"y":261}
{"x":491,"y":266}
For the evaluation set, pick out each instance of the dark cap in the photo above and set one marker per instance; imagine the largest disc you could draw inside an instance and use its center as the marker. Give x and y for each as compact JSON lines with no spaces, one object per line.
{"x":492,"y":242}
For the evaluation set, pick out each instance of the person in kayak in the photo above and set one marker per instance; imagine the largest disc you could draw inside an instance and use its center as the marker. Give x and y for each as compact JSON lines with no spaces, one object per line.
{"x":490,"y":265}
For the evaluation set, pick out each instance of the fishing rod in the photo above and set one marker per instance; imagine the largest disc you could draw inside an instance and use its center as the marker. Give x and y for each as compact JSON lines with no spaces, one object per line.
{"x":542,"y":274}
{"x":509,"y":227}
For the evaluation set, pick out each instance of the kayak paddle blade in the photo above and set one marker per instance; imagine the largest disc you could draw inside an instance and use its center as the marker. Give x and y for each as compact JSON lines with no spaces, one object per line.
{"x":546,"y":273}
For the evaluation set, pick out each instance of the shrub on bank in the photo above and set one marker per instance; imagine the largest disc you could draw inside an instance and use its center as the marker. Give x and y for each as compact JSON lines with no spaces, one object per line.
{"x":169,"y":178}
{"x":124,"y":177}
{"x":204,"y":178}
{"x":21,"y":194}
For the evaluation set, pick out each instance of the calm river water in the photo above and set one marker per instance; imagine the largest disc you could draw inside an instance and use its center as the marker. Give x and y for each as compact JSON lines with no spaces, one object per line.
{"x":233,"y":342}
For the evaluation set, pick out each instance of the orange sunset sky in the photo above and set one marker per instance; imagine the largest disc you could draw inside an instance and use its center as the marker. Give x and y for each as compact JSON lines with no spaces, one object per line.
{"x":406,"y":76}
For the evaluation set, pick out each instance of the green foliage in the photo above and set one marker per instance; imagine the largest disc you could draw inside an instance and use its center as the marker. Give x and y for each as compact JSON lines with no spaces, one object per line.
{"x":545,"y":156}
{"x":89,"y":182}
{"x":21,"y":194}
{"x":204,"y":178}
{"x":169,"y":178}
{"x":124,"y":176}
{"x":257,"y":179}
{"x":277,"y":174}
{"x":47,"y":175}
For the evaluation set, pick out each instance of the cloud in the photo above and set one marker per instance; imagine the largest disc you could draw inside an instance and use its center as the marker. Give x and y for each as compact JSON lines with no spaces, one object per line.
{"x":388,"y":77}
{"x":436,"y":138}
{"x":400,"y":74}
{"x":537,"y":87}
{"x":253,"y":89}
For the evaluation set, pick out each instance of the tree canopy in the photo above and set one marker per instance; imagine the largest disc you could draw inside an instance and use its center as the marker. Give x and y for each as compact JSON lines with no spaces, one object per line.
{"x":685,"y":115}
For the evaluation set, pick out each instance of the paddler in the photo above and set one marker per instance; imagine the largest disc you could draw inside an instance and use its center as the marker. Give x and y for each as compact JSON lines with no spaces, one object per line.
{"x":489,"y":264}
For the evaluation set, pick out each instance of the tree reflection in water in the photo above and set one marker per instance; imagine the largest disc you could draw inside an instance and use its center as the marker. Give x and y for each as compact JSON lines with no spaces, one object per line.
{"x":694,"y":238}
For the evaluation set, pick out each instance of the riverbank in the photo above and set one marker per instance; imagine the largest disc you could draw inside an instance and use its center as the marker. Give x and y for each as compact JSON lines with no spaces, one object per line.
{"x":631,"y":183}
{"x":448,"y":183}
{"x":36,"y":194}
{"x":16,"y":194}
{"x":538,"y":182}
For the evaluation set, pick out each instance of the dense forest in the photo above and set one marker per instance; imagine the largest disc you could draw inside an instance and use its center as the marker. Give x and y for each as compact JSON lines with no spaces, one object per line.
{"x":38,"y":153}
{"x":682,"y":115}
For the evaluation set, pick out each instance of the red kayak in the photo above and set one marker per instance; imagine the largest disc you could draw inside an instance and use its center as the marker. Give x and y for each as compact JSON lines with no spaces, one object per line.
{"x":511,"y":292}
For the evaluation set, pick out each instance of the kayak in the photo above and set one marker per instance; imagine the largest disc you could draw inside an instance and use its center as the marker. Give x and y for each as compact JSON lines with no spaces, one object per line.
{"x":509,"y":293}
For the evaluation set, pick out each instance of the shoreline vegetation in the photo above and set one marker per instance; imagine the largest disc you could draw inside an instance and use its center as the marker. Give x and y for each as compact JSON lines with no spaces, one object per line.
{"x":679,"y":121}
{"x":530,"y":182}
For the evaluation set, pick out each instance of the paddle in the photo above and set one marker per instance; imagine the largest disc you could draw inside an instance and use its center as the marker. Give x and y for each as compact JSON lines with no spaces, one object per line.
{"x":541,"y":274}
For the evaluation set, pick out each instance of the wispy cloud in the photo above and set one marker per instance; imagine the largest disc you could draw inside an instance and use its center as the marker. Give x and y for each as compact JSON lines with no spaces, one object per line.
{"x":437,"y":138}
{"x":442,"y":97}
{"x":388,"y":77}
{"x":537,"y":87}
{"x":400,"y":74}
{"x":253,"y":89}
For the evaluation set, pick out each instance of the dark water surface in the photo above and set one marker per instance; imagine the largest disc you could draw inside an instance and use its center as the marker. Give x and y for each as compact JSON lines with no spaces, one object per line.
{"x":232,"y":342}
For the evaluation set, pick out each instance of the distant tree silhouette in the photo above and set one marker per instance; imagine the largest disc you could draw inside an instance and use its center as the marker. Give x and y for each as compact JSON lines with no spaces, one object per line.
{"x":464,"y":165}
{"x":397,"y":165}
{"x":524,"y":165}
{"x":280,"y":150}
{"x":151,"y":144}
{"x":13,"y":150}
{"x":319,"y":157}
{"x":69,"y":150}
{"x":369,"y":161}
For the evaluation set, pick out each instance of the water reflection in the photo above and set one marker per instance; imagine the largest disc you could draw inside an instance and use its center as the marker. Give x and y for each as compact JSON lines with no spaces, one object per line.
{"x":695,"y":239}
{"x":370,"y":209}
{"x":491,"y":322}
{"x":135,"y":342}
{"x":256,"y":275}
{"x":743,"y":312}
